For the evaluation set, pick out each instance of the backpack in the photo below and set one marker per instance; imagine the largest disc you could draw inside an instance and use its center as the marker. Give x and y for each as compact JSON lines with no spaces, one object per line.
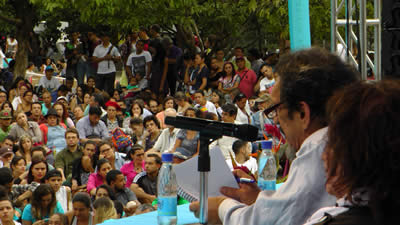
{"x":122,"y":142}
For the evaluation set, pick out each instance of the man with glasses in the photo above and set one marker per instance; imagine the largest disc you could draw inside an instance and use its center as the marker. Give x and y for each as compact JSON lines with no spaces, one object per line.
{"x":5,"y":121}
{"x":116,"y":159}
{"x":306,"y":80}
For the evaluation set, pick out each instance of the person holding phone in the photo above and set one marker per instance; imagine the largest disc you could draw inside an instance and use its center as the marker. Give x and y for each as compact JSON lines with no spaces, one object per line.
{"x":43,"y":205}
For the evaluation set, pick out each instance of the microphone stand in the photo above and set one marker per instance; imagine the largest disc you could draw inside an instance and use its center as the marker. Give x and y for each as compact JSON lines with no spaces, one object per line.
{"x":203,"y":167}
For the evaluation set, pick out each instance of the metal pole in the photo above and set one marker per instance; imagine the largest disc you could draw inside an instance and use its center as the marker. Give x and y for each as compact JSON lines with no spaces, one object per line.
{"x":378,"y":43}
{"x":333,"y":26}
{"x":363,"y":38}
{"x":203,"y":197}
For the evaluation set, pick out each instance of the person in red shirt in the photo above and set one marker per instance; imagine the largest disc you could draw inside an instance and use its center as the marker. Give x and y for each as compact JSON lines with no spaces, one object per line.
{"x":248,"y":77}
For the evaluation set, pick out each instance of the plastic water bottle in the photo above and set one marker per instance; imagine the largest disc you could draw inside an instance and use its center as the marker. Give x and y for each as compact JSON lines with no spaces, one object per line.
{"x":167,"y":192}
{"x":267,"y":168}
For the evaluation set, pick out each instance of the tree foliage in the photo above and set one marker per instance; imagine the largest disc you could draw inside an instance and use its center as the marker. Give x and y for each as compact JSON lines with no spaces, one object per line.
{"x":249,"y":23}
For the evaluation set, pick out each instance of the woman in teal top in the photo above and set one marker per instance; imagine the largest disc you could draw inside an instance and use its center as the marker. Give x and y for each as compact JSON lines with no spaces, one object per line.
{"x":42,"y":206}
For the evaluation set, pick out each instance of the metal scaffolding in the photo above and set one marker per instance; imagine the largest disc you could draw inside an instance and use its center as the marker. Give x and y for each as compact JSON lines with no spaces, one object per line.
{"x":350,"y":21}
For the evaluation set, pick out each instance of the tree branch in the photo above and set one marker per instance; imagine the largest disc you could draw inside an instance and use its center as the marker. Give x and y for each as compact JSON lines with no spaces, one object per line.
{"x":12,"y":21}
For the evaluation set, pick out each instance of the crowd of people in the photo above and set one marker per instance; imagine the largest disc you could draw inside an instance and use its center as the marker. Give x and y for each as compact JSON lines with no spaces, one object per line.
{"x":88,"y":149}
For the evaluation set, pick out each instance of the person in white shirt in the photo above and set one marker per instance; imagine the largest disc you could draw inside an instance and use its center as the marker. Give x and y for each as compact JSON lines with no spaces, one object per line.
{"x":167,"y":138}
{"x":225,"y":143}
{"x":49,"y":82}
{"x":242,"y":150}
{"x":307,"y":79}
{"x":139,"y":62}
{"x":105,"y":55}
{"x":203,"y":104}
{"x":2,"y":57}
{"x":243,"y":116}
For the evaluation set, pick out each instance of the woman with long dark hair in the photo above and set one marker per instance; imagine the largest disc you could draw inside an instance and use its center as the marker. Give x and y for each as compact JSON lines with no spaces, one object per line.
{"x":26,"y":103}
{"x":18,"y":166}
{"x":43,"y":205}
{"x":82,"y":213}
{"x":136,"y":164}
{"x":198,"y":79}
{"x":37,"y":171}
{"x":362,"y":155}
{"x":229,"y":80}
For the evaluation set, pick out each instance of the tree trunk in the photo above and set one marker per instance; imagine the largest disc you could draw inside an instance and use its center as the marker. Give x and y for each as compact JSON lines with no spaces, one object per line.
{"x":27,"y":14}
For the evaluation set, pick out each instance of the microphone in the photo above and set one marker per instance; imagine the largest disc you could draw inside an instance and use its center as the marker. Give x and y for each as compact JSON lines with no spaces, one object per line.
{"x":213,"y":128}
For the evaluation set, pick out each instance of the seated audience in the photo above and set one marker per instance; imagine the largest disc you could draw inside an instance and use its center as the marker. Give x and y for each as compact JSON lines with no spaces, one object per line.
{"x":98,"y":178}
{"x":5,"y":123}
{"x":36,"y":113}
{"x":23,"y":126}
{"x":242,"y":150}
{"x":63,"y":113}
{"x":136,"y":164}
{"x":203,"y":104}
{"x":63,"y":193}
{"x":145,"y":183}
{"x":65,"y":158}
{"x":152,"y":126}
{"x":18,"y":165}
{"x":82,"y":210}
{"x":37,"y":171}
{"x":225,"y":143}
{"x":167,"y":104}
{"x":116,"y":180}
{"x":83,"y":167}
{"x":107,"y":151}
{"x":187,"y":141}
{"x":104,"y":191}
{"x":182,"y":102}
{"x":104,"y":210}
{"x":53,"y":132}
{"x":112,"y":120}
{"x":6,"y":156}
{"x":91,"y":128}
{"x":43,"y":205}
{"x":167,"y":138}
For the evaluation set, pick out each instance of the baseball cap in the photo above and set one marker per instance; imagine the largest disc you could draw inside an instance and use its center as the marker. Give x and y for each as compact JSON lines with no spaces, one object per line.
{"x":239,"y":58}
{"x":263,"y":98}
{"x":5,"y":151}
{"x":5,"y":114}
{"x":62,"y":97}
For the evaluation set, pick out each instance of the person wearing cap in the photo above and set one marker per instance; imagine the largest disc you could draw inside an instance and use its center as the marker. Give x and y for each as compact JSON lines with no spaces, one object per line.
{"x":105,"y":55}
{"x":248,"y":77}
{"x":49,"y":82}
{"x":6,"y":155}
{"x":259,"y":119}
{"x":239,"y":53}
{"x":53,"y":131}
{"x":5,"y":122}
{"x":111,"y":119}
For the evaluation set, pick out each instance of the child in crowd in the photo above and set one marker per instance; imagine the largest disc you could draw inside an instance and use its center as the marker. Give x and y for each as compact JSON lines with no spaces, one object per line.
{"x":63,"y":193}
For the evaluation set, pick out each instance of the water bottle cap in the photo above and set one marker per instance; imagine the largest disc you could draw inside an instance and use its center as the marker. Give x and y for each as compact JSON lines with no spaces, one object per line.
{"x":266,"y":145}
{"x":167,"y":157}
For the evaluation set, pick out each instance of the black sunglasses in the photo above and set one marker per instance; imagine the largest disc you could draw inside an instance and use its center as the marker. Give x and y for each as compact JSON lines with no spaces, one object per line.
{"x":271,"y":111}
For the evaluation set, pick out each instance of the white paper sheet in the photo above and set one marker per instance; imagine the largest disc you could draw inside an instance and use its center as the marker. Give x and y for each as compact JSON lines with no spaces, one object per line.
{"x":220,"y":175}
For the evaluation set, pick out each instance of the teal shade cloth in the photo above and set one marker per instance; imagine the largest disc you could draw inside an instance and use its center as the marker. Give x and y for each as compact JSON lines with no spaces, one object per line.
{"x":299,"y":24}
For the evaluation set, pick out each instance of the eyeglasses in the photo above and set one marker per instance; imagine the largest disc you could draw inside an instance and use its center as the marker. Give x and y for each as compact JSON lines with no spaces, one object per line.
{"x":271,"y":111}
